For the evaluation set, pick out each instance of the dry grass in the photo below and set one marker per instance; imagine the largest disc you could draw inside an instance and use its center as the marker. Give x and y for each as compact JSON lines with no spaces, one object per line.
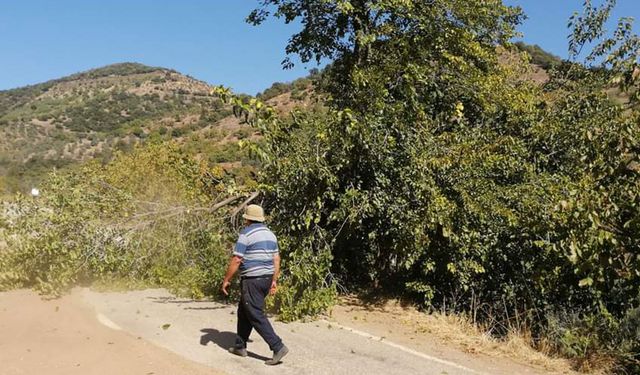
{"x":461,"y":332}
{"x":458,"y":331}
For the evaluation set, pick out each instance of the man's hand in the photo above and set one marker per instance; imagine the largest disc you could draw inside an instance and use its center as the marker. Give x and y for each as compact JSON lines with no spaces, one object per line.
{"x":234,"y":264}
{"x":276,"y":273}
{"x":225,"y":285}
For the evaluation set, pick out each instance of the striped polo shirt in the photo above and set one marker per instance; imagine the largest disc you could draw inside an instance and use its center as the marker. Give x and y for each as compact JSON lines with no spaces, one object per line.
{"x":257,"y":246}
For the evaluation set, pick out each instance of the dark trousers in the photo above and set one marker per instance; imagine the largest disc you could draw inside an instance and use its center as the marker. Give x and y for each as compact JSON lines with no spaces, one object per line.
{"x":251,"y":313}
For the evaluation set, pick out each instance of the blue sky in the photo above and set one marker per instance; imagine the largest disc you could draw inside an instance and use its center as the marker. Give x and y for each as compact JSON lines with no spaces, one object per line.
{"x":207,"y":39}
{"x":546,"y":23}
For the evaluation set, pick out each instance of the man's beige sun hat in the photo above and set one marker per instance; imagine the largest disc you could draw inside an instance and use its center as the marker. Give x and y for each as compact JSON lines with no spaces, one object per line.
{"x":254,"y":213}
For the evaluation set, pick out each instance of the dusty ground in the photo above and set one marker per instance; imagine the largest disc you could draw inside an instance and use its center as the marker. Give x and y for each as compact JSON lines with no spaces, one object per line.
{"x":153,"y":332}
{"x":64,"y":337}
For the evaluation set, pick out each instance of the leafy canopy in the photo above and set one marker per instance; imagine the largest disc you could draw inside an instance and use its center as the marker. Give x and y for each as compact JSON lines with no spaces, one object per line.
{"x":437,"y":170}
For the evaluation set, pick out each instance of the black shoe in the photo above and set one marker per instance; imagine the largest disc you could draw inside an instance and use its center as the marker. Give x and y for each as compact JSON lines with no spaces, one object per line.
{"x":277,"y":356}
{"x":238,"y":351}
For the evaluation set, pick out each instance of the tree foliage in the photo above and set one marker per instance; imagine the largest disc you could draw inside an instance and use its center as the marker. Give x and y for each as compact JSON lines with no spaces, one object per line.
{"x":146,"y":217}
{"x":439,"y":171}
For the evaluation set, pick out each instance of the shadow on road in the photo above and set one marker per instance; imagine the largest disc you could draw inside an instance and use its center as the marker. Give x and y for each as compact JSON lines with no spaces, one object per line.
{"x":225,"y":340}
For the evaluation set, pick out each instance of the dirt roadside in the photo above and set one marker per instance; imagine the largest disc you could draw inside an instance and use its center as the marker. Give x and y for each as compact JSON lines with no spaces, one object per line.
{"x":63,"y":336}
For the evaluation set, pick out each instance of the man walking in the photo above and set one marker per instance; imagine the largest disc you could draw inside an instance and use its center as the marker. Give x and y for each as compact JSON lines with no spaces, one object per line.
{"x":256,"y":255}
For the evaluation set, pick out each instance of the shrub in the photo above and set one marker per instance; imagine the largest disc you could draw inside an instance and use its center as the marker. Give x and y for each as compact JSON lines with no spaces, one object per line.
{"x":141,"y":217}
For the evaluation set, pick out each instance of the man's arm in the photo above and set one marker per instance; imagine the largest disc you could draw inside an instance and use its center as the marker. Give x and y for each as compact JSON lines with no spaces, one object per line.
{"x":276,"y":273}
{"x":235,"y":261}
{"x":234,"y":264}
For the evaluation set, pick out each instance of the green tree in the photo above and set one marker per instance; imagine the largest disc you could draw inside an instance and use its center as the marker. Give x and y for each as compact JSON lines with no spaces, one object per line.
{"x":404,"y":72}
{"x":438,"y":171}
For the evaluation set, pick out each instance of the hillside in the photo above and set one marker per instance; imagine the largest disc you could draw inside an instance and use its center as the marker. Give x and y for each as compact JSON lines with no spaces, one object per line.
{"x":90,"y":115}
{"x":539,"y":56}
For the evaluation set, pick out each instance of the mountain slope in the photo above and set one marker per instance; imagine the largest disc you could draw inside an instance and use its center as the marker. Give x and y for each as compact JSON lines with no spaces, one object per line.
{"x":91,"y":114}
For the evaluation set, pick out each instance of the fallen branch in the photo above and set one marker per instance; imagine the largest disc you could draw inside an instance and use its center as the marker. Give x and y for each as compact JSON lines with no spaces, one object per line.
{"x":235,"y":212}
{"x":165,"y":214}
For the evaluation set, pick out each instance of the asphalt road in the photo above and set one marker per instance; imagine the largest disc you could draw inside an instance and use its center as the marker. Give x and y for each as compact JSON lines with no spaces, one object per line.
{"x":202,"y":332}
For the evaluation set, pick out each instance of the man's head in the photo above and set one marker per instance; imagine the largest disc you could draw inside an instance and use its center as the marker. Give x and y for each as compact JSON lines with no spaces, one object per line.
{"x":253,"y":214}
